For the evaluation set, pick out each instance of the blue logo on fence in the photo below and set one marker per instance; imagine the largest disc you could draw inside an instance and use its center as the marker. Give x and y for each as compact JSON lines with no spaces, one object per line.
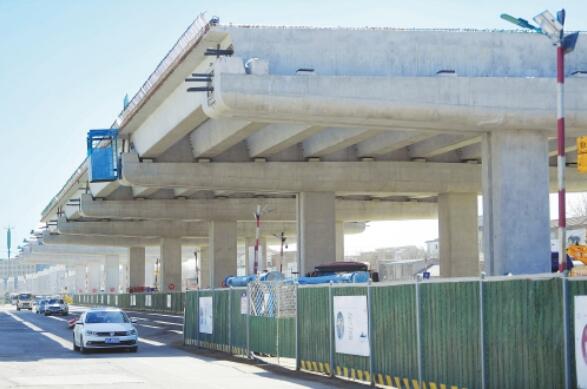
{"x":339,"y":325}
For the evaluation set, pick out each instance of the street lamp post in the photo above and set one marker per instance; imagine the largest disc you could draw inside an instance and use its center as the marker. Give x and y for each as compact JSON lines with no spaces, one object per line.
{"x":553,"y":28}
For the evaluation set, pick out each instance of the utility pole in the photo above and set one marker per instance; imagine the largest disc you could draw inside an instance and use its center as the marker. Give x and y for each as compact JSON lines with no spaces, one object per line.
{"x":553,"y":28}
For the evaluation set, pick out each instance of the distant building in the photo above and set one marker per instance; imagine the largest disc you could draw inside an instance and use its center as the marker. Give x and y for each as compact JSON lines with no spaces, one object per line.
{"x":15,"y":268}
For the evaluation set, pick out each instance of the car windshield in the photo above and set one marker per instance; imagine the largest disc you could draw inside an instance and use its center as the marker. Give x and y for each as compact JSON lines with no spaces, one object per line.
{"x":55,"y":301}
{"x":24,"y":296}
{"x":106,"y":317}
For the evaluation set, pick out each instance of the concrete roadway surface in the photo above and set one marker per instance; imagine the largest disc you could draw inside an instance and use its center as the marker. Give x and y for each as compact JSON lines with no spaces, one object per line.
{"x":37,"y":352}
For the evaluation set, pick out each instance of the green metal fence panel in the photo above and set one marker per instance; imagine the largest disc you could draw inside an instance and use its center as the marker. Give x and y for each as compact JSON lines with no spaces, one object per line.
{"x":577,"y":287}
{"x":353,"y":366}
{"x":314,"y":324}
{"x":286,"y":337}
{"x":524,"y":340}
{"x":190,"y":319}
{"x":450,"y":329}
{"x":140,"y":301}
{"x":263,"y":335}
{"x":238,"y":320}
{"x":393,"y":312}
{"x":218,"y":340}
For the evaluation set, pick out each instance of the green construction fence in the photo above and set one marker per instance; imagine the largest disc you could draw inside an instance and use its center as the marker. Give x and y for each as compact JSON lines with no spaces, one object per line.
{"x":504,"y":332}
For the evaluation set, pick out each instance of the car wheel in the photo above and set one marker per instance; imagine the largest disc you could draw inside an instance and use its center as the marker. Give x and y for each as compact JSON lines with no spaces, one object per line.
{"x":82,"y":349}
{"x":75,"y":347}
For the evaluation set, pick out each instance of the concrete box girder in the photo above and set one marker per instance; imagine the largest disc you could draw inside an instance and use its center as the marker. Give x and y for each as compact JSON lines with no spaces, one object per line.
{"x":459,"y":103}
{"x":174,"y":229}
{"x":282,"y":209}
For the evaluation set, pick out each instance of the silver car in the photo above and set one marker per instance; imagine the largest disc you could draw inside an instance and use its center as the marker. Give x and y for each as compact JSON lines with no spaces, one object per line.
{"x":105,"y":328}
{"x":56,"y":306}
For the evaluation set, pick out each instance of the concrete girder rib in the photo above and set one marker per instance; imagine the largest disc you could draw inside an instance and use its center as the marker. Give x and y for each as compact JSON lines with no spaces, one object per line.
{"x":283,"y":209}
{"x":278,"y":137}
{"x":305,"y":176}
{"x":103,"y":189}
{"x":216,"y":136}
{"x":175,"y":229}
{"x":162,"y":228}
{"x":460,"y":103}
{"x":75,"y":250}
{"x":570,"y":146}
{"x":111,"y":241}
{"x":331,"y":140}
{"x":471,"y":152}
{"x":441,"y":144}
{"x":141,"y":191}
{"x":389,"y":141}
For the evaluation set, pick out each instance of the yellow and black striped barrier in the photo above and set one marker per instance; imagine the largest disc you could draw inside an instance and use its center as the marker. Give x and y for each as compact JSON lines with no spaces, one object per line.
{"x":380,"y":379}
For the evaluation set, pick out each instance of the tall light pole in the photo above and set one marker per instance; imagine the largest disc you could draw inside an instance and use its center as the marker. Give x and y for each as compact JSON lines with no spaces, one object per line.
{"x":553,"y":28}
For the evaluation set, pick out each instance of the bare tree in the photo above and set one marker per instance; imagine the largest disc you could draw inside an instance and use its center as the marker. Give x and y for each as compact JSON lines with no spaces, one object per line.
{"x":578,"y":207}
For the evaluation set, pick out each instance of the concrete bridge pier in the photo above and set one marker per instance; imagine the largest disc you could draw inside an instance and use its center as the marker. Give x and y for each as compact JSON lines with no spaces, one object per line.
{"x":458,"y":235}
{"x":111,"y":274}
{"x":222,"y":250}
{"x":339,"y":241}
{"x":136,"y":267}
{"x":80,"y":278}
{"x":123,"y":285}
{"x":151,"y":267}
{"x":170,"y":265}
{"x":204,"y":265}
{"x":516,"y":231}
{"x":316,"y":218}
{"x":94,"y":277}
{"x":249,"y":255}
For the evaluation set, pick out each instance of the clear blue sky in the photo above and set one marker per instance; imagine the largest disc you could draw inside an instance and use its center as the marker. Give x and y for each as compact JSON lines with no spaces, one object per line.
{"x":66,"y":65}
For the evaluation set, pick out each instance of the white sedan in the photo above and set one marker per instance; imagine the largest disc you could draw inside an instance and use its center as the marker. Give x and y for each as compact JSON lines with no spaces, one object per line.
{"x":100,"y":328}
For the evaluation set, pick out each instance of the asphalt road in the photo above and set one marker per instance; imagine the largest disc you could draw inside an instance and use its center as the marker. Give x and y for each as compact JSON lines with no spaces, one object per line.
{"x":37,"y":352}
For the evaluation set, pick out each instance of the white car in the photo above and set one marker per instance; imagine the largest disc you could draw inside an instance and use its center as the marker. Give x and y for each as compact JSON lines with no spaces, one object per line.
{"x":101,"y":328}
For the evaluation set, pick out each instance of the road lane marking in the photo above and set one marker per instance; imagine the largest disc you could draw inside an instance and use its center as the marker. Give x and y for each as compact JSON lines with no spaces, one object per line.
{"x":168,"y":323}
{"x":151,"y":342}
{"x":62,"y":342}
{"x":57,"y":318}
{"x":149,"y":326}
{"x":176,"y":332}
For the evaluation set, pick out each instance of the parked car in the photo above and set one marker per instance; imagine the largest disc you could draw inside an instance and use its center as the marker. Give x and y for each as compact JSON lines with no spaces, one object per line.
{"x":24,"y":301}
{"x":100,"y":328}
{"x":56,"y":306}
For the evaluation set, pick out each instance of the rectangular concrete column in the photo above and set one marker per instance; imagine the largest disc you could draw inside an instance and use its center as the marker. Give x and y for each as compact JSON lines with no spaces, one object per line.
{"x":124,"y":276}
{"x":151,"y":267}
{"x":249,"y":255}
{"x":136,"y":267}
{"x":80,"y":278}
{"x":94,"y":277}
{"x":263,"y":257}
{"x":222,"y":250}
{"x":170,"y":265}
{"x":516,"y":225}
{"x":204,"y":265}
{"x":316,"y":229}
{"x":339,"y":241}
{"x":112,"y":274}
{"x":457,"y":235}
